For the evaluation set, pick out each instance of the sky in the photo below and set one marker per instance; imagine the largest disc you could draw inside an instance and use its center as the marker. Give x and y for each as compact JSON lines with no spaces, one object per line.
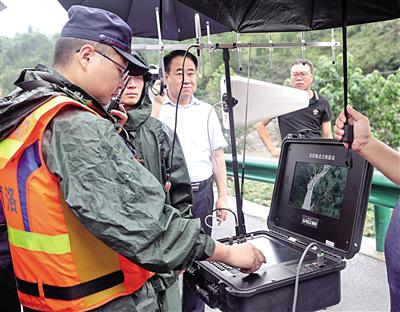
{"x":45,"y":16}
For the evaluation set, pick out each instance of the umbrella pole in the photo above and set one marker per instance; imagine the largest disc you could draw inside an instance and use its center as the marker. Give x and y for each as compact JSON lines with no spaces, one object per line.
{"x":161,"y":69}
{"x":230,"y":102}
{"x":348,"y":129}
{"x":344,"y":38}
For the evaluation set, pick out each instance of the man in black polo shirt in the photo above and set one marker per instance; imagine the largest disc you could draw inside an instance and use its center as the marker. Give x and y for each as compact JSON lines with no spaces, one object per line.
{"x":313,"y":121}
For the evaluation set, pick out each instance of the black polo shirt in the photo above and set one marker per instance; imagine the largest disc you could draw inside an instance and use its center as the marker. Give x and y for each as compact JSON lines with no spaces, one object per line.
{"x":309,"y":118}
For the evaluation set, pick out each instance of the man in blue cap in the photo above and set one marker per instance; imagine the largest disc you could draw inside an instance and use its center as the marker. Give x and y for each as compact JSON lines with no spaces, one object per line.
{"x":87,"y":223}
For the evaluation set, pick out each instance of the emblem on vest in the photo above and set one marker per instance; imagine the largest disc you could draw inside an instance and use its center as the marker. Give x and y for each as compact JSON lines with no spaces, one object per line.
{"x":315,"y":112}
{"x":8,"y":199}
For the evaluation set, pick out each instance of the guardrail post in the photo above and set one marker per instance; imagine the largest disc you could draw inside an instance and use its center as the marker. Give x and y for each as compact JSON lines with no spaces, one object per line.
{"x":382,"y":219}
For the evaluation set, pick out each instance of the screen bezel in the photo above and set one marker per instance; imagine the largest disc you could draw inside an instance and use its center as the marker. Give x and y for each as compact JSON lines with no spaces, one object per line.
{"x":341,"y":234}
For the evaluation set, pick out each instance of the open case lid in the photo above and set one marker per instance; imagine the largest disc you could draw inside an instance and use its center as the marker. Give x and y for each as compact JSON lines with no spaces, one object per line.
{"x":318,"y":198}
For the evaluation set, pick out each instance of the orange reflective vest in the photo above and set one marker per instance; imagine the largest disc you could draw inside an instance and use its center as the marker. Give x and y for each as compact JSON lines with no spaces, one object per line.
{"x":59,"y":264}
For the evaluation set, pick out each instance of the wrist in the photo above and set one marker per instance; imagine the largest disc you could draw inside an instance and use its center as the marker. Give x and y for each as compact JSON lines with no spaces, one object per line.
{"x":221,"y":203}
{"x":368,"y":146}
{"x":222,"y":197}
{"x":221,"y":252}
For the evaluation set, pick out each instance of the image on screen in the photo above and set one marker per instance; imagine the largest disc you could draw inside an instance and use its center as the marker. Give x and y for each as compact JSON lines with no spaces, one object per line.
{"x":318,"y":188}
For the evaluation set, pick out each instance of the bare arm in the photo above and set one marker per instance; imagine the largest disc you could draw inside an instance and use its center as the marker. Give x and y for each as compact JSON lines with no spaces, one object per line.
{"x":376,"y":152}
{"x":155,"y":110}
{"x":326,"y":128}
{"x":219,"y":173}
{"x":383,"y":158}
{"x":262,"y":131}
{"x":244,"y":256}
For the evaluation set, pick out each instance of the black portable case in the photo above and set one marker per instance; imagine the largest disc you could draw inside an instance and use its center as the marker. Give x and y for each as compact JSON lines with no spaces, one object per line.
{"x":337,"y":229}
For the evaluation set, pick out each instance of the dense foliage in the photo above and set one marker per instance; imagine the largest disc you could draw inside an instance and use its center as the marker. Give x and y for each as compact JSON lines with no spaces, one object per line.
{"x":23,"y":51}
{"x":373,"y":94}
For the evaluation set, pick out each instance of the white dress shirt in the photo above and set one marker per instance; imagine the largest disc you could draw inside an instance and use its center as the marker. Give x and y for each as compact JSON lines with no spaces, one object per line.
{"x":193,"y":121}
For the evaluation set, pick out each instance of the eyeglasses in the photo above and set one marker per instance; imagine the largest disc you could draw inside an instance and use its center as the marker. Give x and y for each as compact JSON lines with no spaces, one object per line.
{"x":301,"y":74}
{"x":123,"y":70}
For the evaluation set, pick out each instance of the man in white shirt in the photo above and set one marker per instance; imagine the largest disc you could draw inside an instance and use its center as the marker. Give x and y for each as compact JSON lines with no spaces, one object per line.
{"x":202,"y":141}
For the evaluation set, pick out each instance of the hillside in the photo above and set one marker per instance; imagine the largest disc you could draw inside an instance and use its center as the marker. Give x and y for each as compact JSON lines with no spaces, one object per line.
{"x":374,"y":62}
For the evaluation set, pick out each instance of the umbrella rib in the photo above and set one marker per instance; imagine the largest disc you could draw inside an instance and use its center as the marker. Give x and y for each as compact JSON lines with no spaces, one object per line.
{"x":129,"y":11}
{"x":311,"y":22}
{"x":130,"y":7}
{"x":244,"y":16}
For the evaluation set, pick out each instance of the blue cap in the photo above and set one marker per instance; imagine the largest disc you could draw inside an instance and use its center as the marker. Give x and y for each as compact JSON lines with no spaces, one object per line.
{"x":106,"y":28}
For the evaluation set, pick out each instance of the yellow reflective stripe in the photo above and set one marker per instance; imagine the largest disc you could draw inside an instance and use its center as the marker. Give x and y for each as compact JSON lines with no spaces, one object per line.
{"x":41,"y":110}
{"x":51,"y":244}
{"x":54,"y":102}
{"x":8,"y":147}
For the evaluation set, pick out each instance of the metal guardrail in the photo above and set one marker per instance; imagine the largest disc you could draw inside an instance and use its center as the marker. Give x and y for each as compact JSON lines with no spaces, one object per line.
{"x":384,"y":193}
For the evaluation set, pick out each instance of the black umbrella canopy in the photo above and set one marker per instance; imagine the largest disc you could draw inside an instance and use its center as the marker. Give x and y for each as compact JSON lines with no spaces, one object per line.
{"x":2,"y":6}
{"x":293,"y":15}
{"x":177,"y":19}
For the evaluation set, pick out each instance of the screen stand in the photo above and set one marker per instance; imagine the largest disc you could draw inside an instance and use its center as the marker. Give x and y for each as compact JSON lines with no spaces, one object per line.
{"x":230,"y":102}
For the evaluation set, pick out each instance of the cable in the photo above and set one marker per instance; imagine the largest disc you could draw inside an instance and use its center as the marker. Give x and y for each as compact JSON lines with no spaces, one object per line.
{"x":168,"y":183}
{"x":245,"y":135}
{"x":244,"y":153}
{"x":227,"y":209}
{"x":245,"y":127}
{"x":212,"y":154}
{"x":210,"y":215}
{"x":296,"y":284}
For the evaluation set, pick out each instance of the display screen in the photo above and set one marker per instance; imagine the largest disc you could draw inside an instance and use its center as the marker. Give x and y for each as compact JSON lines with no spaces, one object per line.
{"x":318,"y":188}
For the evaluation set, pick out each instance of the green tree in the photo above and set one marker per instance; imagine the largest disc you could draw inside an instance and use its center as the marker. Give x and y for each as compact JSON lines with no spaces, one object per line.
{"x":370,"y":55}
{"x":22,"y":51}
{"x":374,"y":95}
